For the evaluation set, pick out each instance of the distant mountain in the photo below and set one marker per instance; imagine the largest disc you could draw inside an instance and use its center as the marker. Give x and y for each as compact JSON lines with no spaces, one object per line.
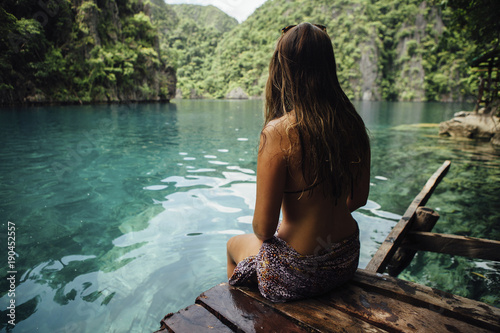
{"x":189,"y":35}
{"x":85,"y":51}
{"x":206,"y":16}
{"x":385,"y":50}
{"x":80,"y":51}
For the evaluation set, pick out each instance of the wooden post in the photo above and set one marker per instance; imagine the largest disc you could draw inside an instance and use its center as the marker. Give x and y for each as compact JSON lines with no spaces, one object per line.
{"x":395,"y":237}
{"x":425,"y":221}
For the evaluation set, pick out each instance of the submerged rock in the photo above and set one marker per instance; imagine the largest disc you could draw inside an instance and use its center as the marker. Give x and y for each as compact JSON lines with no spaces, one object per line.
{"x":473,"y":126}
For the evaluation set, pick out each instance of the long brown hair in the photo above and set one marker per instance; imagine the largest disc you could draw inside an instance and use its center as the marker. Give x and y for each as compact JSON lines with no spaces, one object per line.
{"x":332,"y":136}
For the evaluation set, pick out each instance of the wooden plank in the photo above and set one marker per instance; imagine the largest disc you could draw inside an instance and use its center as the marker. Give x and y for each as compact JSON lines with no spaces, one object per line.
{"x":370,"y":302}
{"x":242,"y":313}
{"x":194,"y":318}
{"x":425,"y":220}
{"x":445,"y":304}
{"x":316,"y":316}
{"x":394,"y":314}
{"x":395,"y":237}
{"x":452,"y":244}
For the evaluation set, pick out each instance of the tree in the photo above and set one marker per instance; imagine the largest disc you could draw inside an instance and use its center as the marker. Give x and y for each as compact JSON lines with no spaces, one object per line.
{"x":479,"y":19}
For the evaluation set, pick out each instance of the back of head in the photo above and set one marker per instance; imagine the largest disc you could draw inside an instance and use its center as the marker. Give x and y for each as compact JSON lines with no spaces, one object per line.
{"x":303,"y":79}
{"x":303,"y":69}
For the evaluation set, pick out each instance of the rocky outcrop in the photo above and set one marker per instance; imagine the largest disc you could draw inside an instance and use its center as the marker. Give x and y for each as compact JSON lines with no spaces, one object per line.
{"x":155,"y":80}
{"x":194,"y":94}
{"x":237,"y":93}
{"x":495,"y":140}
{"x":368,"y":68}
{"x":410,"y":81}
{"x":472,"y":126}
{"x":83,"y":51}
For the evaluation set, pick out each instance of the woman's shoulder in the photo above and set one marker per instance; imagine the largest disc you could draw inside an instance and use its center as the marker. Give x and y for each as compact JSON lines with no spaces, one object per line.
{"x":277,"y":133}
{"x":280,"y":125}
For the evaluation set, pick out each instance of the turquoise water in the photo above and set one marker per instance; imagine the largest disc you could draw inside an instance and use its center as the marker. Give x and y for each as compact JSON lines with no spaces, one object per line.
{"x":122,"y":212}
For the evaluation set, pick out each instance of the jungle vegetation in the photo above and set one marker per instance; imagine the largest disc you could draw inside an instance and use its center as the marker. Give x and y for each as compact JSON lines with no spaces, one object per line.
{"x":385,"y":50}
{"x":189,"y":36}
{"x":80,"y":51}
{"x":122,"y":50}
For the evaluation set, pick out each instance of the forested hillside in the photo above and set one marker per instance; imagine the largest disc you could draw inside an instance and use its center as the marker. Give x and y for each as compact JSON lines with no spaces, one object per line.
{"x":80,"y":51}
{"x":128,"y":50}
{"x":189,"y":36}
{"x":386,"y":49}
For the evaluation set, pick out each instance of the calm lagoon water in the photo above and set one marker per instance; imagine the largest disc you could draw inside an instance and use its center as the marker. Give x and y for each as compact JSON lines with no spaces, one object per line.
{"x":122,"y":212}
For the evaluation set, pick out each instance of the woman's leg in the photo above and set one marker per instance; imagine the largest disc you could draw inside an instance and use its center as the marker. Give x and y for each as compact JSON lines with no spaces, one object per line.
{"x":240,"y":247}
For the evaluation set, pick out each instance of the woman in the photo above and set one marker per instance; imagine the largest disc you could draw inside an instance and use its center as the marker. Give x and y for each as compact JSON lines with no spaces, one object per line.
{"x":314,"y":166}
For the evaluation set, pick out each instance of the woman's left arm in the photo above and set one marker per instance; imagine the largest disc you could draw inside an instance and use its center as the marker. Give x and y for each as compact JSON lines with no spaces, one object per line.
{"x":271,"y":178}
{"x":361,"y":188}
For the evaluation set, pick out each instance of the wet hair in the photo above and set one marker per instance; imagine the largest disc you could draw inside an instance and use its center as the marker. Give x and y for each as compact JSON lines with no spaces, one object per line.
{"x":332,"y":136}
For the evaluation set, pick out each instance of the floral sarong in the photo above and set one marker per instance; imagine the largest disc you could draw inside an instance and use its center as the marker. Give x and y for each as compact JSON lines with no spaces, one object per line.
{"x":283,"y":274}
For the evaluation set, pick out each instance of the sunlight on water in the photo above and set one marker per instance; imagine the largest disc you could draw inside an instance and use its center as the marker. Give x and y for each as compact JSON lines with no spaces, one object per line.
{"x":123,"y":212}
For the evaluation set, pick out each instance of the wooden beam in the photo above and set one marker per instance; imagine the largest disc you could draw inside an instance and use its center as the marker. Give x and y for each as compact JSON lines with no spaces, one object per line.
{"x":452,"y":244}
{"x":395,"y":237}
{"x":425,"y":220}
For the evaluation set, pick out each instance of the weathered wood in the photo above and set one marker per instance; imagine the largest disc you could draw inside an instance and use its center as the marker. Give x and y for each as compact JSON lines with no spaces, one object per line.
{"x":425,"y":220}
{"x":385,"y":252}
{"x":393,"y":314}
{"x":194,"y":318}
{"x":447,"y":305}
{"x":452,"y":244}
{"x":313,"y":314}
{"x":243,"y":313}
{"x":370,"y":302}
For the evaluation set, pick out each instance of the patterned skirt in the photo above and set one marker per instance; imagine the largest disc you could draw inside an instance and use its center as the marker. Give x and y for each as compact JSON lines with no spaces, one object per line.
{"x":283,"y":274}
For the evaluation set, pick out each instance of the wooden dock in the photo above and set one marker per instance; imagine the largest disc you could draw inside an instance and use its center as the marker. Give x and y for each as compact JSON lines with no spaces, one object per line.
{"x":370,"y":302}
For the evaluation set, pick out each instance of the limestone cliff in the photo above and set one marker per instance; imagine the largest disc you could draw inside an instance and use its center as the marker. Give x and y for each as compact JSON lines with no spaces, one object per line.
{"x":385,"y":50}
{"x":81,"y":51}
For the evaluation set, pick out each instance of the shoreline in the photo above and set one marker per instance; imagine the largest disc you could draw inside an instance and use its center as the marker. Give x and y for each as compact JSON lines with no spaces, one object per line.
{"x":66,"y":103}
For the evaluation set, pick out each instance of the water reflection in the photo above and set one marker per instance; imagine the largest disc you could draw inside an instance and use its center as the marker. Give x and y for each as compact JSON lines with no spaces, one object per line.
{"x":134,"y":230}
{"x":387,"y":114}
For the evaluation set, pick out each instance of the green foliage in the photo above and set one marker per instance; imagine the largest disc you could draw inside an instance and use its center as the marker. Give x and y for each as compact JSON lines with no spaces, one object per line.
{"x":138,"y":28}
{"x":108,"y":50}
{"x":93,"y":52}
{"x":205,"y":16}
{"x":478,"y":19}
{"x":193,"y":34}
{"x":407,"y":49}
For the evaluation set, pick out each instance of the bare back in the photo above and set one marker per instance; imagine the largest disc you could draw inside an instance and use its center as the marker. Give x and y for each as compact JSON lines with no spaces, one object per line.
{"x":311,"y":220}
